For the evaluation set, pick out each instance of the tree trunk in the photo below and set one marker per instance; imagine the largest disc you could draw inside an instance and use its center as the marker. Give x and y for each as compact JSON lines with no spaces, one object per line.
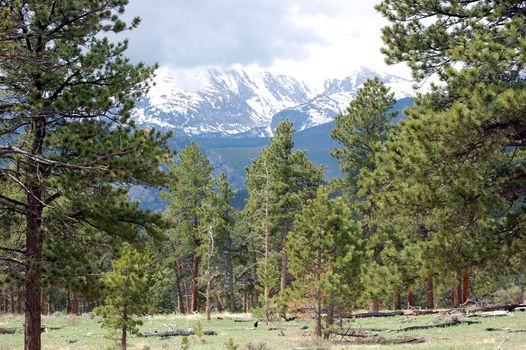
{"x":195,"y":275}
{"x":430,"y":302}
{"x":208,"y":300}
{"x":33,"y":310}
{"x":123,"y":338}
{"x":330,"y":317}
{"x":456,"y":294}
{"x":398,"y":301}
{"x":466,"y":285}
{"x":283,"y":277}
{"x":375,"y":305}
{"x":230,"y":271}
{"x":317,"y":331}
{"x":218,"y":303}
{"x":19,"y":299}
{"x":410,"y":298}
{"x":180,"y":296}
{"x":187,"y":295}
{"x":245,"y":306}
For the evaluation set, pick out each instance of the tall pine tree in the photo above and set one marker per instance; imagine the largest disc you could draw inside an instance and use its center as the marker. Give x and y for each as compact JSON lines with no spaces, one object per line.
{"x":68,"y":144}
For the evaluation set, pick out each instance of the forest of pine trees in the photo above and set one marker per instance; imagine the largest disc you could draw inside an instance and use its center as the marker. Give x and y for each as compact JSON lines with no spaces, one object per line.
{"x":430,"y":213}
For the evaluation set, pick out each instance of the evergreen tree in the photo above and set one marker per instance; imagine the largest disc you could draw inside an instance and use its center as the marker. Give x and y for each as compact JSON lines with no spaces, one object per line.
{"x":191,"y":187}
{"x":227,"y":215}
{"x":325,"y":253}
{"x":278,"y":182}
{"x":362,"y":130}
{"x":457,"y":164}
{"x":126,"y":292}
{"x":68,"y":145}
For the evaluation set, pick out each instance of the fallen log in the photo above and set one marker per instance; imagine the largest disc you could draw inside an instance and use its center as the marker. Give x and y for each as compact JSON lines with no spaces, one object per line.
{"x":357,"y":333}
{"x":507,"y":307}
{"x":508,"y":330}
{"x":497,"y":313}
{"x":8,"y":330}
{"x":403,"y":340}
{"x":175,"y":333}
{"x":440,"y":325}
{"x":377,"y":314}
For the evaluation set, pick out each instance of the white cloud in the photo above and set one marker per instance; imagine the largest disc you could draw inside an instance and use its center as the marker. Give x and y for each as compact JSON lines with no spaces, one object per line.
{"x":310,"y":39}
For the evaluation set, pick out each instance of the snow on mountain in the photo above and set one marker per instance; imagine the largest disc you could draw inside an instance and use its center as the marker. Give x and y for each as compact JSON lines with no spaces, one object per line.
{"x":241,"y":103}
{"x":336,"y":96}
{"x":231,"y":102}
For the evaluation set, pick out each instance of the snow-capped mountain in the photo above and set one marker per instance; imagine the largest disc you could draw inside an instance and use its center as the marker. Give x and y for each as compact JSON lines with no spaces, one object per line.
{"x":336,"y":96}
{"x":237,"y":102}
{"x":230,"y":102}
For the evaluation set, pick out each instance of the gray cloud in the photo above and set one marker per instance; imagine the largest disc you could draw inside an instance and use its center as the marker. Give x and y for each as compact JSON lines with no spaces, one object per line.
{"x":192,"y":33}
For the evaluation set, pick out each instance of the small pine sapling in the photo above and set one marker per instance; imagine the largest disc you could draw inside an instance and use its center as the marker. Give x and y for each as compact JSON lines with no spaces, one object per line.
{"x":126,"y":292}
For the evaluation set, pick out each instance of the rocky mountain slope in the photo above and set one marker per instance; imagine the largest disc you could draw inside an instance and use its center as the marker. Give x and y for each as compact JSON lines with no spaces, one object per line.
{"x":245,"y":104}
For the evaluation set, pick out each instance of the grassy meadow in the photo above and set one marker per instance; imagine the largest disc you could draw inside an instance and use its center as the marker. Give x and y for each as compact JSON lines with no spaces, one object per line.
{"x":84,"y":332}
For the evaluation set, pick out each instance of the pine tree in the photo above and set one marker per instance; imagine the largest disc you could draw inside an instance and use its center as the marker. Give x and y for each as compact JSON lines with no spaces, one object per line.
{"x":68,"y":145}
{"x":191,"y":187}
{"x":126,"y":292}
{"x":278,"y":182}
{"x":363,"y":131}
{"x":457,"y":163}
{"x":325,"y":253}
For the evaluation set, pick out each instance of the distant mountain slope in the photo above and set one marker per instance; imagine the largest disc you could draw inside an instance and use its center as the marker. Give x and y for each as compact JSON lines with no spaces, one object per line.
{"x":336,"y":97}
{"x":242,"y":104}
{"x":230,"y":102}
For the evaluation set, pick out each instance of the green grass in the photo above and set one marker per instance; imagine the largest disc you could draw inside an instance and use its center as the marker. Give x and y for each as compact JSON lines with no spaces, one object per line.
{"x":83,"y":332}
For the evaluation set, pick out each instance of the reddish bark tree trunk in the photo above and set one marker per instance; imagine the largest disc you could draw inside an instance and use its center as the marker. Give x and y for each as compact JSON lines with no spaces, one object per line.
{"x":195,"y":290}
{"x":410,"y":298}
{"x":466,"y":285}
{"x":456,"y":295}
{"x":430,"y":301}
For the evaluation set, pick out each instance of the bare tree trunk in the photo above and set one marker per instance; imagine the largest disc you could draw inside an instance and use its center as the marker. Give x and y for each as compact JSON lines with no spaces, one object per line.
{"x":456,"y":294}
{"x":283,"y":277}
{"x":410,"y":298}
{"x":187,"y":295}
{"x":218,"y":303}
{"x":124,"y":329}
{"x":245,"y":301}
{"x":430,"y":292}
{"x":466,"y":285}
{"x":179,"y":290}
{"x":230,"y":271}
{"x":398,"y":301}
{"x":33,"y":309}
{"x":208,"y":283}
{"x":19,"y":300}
{"x":195,"y":274}
{"x":330,"y":316}
{"x":317,"y":330}
{"x":375,"y":305}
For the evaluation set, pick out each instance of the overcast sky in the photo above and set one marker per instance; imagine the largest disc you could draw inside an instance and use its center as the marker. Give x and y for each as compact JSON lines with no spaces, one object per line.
{"x":309,"y":39}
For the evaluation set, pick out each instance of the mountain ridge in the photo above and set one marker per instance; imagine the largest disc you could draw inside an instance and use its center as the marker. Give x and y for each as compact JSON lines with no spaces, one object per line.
{"x":239,"y":103}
